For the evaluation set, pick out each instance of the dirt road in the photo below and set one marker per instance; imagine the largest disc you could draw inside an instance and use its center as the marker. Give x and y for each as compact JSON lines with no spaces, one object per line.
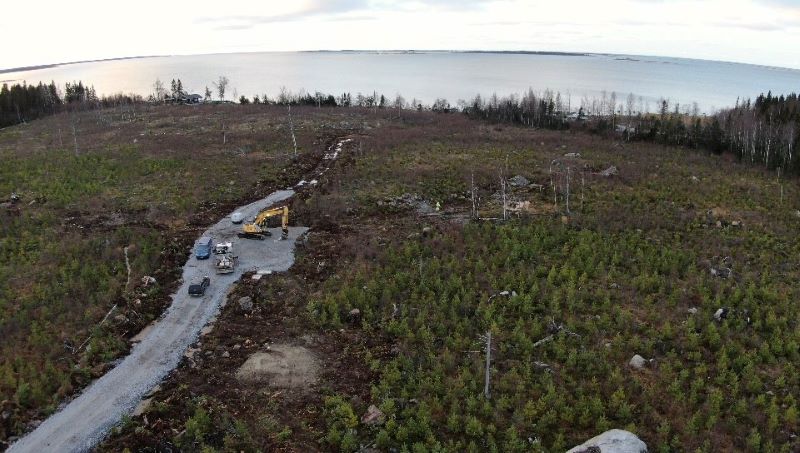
{"x":84,"y":421}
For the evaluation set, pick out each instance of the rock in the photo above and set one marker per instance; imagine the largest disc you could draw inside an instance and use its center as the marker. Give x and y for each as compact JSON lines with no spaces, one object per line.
{"x":284,"y":366}
{"x":355,"y":314}
{"x":610,"y":171}
{"x":695,"y":179}
{"x":426,"y":231}
{"x":142,"y":407}
{"x":736,"y":223}
{"x":573,"y":155}
{"x":148,"y":280}
{"x":614,"y":286}
{"x":246,"y":304}
{"x":226,"y":354}
{"x":373,"y":416}
{"x":721,"y":272}
{"x":120,"y":318}
{"x":721,"y":314}
{"x":797,"y":213}
{"x":612,"y":441}
{"x":237,"y":346}
{"x":692,"y":311}
{"x":717,"y":212}
{"x":638,"y":362}
{"x":518,"y":181}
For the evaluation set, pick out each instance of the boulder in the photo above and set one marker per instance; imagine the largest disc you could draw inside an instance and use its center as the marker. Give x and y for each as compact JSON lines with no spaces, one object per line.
{"x":612,"y":441}
{"x":692,"y":311}
{"x":373,"y":416}
{"x":610,"y":171}
{"x":637,"y":362}
{"x":721,"y":272}
{"x":721,"y":314}
{"x":518,"y":181}
{"x":246,"y":304}
{"x":573,"y":155}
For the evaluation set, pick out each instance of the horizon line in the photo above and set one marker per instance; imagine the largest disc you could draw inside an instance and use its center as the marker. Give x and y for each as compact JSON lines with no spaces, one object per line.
{"x":38,"y":67}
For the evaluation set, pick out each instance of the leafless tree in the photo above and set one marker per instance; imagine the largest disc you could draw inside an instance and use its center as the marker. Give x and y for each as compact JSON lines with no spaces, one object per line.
{"x":159,"y":91}
{"x":73,"y":124}
{"x":630,"y":103}
{"x":291,"y":129}
{"x":221,"y":85}
{"x":474,"y":199}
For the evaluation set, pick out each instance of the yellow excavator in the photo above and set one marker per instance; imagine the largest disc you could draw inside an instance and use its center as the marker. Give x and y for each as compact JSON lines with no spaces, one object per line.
{"x":258,"y":229}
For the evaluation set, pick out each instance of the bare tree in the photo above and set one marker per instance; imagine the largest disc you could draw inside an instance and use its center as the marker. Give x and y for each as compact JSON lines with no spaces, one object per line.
{"x":291,"y":129}
{"x":159,"y":91}
{"x":488,"y":367}
{"x":474,"y":200}
{"x":221,"y":85}
{"x":630,"y":102}
{"x":73,"y":123}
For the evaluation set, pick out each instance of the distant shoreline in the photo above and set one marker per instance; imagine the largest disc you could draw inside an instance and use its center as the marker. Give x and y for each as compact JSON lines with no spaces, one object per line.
{"x":55,"y":65}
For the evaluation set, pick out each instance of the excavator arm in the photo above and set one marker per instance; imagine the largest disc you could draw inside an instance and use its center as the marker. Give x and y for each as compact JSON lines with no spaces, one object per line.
{"x":257,"y":229}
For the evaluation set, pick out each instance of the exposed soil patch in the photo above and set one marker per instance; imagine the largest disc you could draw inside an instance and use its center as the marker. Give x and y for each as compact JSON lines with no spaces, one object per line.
{"x":283,"y":366}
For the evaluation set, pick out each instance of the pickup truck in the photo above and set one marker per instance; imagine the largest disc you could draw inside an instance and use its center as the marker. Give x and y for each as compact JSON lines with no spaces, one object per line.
{"x":199,"y":288}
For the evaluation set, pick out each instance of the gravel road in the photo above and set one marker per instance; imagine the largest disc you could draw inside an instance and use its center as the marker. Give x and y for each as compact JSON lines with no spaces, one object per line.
{"x":85,"y":421}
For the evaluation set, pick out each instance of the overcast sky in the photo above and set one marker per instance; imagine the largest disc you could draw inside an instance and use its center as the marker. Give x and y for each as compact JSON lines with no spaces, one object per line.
{"x":752,"y":31}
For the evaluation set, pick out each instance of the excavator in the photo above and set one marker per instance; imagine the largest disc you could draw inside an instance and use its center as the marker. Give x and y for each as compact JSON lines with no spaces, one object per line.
{"x":258,"y":229}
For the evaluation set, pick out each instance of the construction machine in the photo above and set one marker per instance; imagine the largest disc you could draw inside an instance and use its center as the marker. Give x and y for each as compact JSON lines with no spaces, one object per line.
{"x":258,"y":229}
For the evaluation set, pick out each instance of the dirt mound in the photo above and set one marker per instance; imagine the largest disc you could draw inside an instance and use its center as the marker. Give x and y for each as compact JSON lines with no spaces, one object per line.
{"x":283,"y":366}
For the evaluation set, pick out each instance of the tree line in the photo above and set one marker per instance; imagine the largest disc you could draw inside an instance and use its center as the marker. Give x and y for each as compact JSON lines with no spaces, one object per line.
{"x":20,"y":103}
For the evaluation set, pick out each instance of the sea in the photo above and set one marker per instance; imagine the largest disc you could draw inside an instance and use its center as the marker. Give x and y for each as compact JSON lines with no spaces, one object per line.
{"x":427,"y":76}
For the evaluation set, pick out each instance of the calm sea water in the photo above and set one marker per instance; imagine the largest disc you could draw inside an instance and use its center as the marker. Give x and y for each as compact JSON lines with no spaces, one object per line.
{"x":427,"y":76}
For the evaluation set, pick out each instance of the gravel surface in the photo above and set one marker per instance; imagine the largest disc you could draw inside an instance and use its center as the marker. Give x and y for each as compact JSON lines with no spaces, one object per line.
{"x":85,"y":421}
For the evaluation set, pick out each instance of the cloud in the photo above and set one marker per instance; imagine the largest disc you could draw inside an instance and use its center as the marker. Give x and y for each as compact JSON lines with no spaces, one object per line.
{"x":339,"y":10}
{"x":312,"y":9}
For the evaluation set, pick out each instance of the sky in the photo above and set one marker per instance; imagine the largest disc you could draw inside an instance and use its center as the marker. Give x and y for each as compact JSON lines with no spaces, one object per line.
{"x":765,"y":32}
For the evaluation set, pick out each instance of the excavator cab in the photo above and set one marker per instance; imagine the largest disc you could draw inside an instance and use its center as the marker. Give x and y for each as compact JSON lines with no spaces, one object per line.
{"x":258,"y":229}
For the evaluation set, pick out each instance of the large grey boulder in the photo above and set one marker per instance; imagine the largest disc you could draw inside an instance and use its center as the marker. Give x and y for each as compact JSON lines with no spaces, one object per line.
{"x":638,"y":362}
{"x":612,"y":441}
{"x":246,"y":304}
{"x":518,"y":181}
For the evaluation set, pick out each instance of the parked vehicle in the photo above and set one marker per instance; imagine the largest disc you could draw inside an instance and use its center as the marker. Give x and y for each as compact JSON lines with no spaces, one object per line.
{"x":199,"y":288}
{"x":203,"y":248}
{"x":223,"y":248}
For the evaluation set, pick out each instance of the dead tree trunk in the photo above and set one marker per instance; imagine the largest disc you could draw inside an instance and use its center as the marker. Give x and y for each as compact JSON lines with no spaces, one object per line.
{"x":488,"y":363}
{"x":291,"y":129}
